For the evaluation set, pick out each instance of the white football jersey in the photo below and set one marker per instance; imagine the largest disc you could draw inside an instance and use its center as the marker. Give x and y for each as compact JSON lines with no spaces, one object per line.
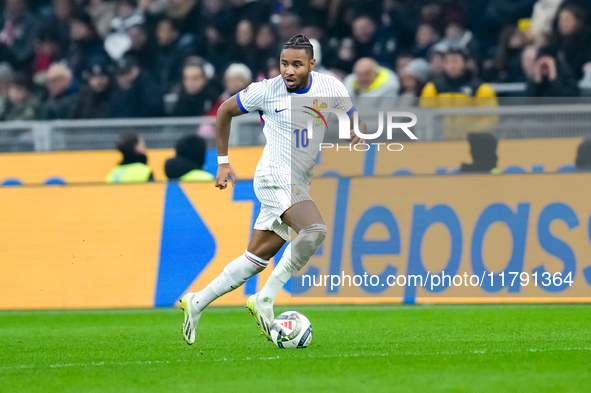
{"x":291,"y":149}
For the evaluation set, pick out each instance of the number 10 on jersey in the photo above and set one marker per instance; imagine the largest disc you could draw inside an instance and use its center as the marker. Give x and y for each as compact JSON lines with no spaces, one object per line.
{"x":301,"y":138}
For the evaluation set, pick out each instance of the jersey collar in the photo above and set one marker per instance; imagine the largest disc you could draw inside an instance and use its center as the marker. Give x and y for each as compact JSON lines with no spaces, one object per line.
{"x":307,"y":89}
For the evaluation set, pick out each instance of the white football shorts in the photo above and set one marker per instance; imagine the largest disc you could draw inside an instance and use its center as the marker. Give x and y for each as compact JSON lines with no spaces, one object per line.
{"x":276,"y":195}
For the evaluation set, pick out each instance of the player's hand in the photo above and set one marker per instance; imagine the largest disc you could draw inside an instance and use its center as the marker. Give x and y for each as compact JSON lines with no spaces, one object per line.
{"x":225,"y":171}
{"x":354,"y":139}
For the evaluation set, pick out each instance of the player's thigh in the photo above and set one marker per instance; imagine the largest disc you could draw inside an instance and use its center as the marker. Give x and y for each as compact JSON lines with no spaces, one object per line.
{"x":301,"y":215}
{"x":265,"y":244}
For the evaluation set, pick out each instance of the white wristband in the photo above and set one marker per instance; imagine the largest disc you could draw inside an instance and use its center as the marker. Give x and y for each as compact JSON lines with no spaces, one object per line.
{"x":223,"y":160}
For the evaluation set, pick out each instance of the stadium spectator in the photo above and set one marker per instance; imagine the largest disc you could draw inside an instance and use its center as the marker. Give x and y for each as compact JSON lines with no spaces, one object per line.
{"x":456,"y":34}
{"x":264,"y":49}
{"x":487,"y":18}
{"x":134,"y":166}
{"x":414,"y":77}
{"x":362,"y":43}
{"x":187,"y":165}
{"x":62,"y":93}
{"x":18,"y":29}
{"x":571,"y":39}
{"x":102,"y":13}
{"x":355,"y":8}
{"x":319,"y":66}
{"x":583,"y":160}
{"x":196,"y":98}
{"x":314,"y":12}
{"x":255,"y":11}
{"x":152,"y":8}
{"x":127,"y":15}
{"x":186,"y":13}
{"x":364,"y":29}
{"x":172,"y":50}
{"x":250,"y":32}
{"x":137,"y":94}
{"x":243,"y":47}
{"x":59,"y":20}
{"x":458,"y":87}
{"x":272,"y":69}
{"x":218,"y":49}
{"x":543,"y":15}
{"x":552,"y":78}
{"x":237,"y":77}
{"x":48,"y":50}
{"x":86,"y":44}
{"x":21,"y":103}
{"x":436,"y":59}
{"x":506,"y":66}
{"x":402,"y":60}
{"x":371,"y":80}
{"x":6,"y":75}
{"x":289,"y":25}
{"x":483,"y":149}
{"x":457,"y":79}
{"x":427,"y":36}
{"x":431,"y":13}
{"x":142,"y":49}
{"x":94,"y":100}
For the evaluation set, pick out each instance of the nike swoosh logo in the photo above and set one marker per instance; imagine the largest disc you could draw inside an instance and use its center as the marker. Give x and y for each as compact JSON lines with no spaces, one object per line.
{"x":276,"y":111}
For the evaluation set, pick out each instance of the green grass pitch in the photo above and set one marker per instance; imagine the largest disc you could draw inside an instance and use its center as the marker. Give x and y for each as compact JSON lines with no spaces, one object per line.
{"x":393,"y":348}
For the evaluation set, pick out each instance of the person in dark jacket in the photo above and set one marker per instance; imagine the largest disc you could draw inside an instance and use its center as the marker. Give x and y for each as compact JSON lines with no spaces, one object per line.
{"x":62,"y":93}
{"x":583,"y":160}
{"x":571,"y":39}
{"x":134,"y":166}
{"x":458,"y":87}
{"x":137,"y":94}
{"x":483,"y":148}
{"x":551,"y":77}
{"x":94,"y":100}
{"x":18,"y":28}
{"x":196,"y":98}
{"x":21,"y":103}
{"x":86,"y":44}
{"x":189,"y":160}
{"x":171,"y":51}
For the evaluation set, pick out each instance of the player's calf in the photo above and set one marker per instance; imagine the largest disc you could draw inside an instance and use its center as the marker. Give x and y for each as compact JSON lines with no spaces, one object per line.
{"x":306,"y":244}
{"x":296,"y":255}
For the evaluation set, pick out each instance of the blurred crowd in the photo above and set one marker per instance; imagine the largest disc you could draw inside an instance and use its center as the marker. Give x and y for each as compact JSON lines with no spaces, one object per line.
{"x":75,"y":59}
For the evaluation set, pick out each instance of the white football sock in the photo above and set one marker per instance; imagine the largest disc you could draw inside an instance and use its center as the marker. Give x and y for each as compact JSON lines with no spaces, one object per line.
{"x":296,"y":255}
{"x":234,"y":275}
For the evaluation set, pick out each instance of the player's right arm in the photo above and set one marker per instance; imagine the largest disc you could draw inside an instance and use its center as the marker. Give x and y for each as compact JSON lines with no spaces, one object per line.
{"x":247,"y":100}
{"x":226,"y":112}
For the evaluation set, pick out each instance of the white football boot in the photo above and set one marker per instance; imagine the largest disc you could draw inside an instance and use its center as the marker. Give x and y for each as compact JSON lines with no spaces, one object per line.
{"x":263,"y":317}
{"x":191,"y":317}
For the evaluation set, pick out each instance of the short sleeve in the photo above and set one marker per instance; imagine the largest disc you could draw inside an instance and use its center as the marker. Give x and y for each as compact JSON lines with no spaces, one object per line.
{"x":342,"y":98}
{"x":252,"y":98}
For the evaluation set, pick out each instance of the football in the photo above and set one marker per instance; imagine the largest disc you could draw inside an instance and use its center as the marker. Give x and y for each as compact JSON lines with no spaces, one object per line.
{"x":291,"y":329}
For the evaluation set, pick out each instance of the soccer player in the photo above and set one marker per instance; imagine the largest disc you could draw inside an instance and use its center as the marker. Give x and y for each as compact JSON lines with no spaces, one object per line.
{"x":282,"y":188}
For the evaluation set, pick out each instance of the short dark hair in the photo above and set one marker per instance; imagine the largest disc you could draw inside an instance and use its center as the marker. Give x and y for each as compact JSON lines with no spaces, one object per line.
{"x":192,"y":147}
{"x":127,"y":143}
{"x":300,"y":41}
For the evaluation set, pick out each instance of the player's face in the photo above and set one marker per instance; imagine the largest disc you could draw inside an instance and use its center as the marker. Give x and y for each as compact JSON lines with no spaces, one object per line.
{"x":295,"y":66}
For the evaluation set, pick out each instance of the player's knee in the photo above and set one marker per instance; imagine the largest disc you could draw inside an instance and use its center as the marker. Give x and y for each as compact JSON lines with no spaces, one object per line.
{"x":314,"y":235}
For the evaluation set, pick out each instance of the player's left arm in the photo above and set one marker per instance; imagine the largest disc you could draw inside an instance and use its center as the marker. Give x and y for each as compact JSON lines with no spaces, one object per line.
{"x":344,"y":103}
{"x":355,"y":139}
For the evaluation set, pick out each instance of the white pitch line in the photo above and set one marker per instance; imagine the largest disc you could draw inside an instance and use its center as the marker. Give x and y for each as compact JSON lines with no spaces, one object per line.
{"x":344,"y":355}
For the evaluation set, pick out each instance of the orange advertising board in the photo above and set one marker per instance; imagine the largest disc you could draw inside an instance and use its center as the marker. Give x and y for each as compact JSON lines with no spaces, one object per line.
{"x":94,"y":246}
